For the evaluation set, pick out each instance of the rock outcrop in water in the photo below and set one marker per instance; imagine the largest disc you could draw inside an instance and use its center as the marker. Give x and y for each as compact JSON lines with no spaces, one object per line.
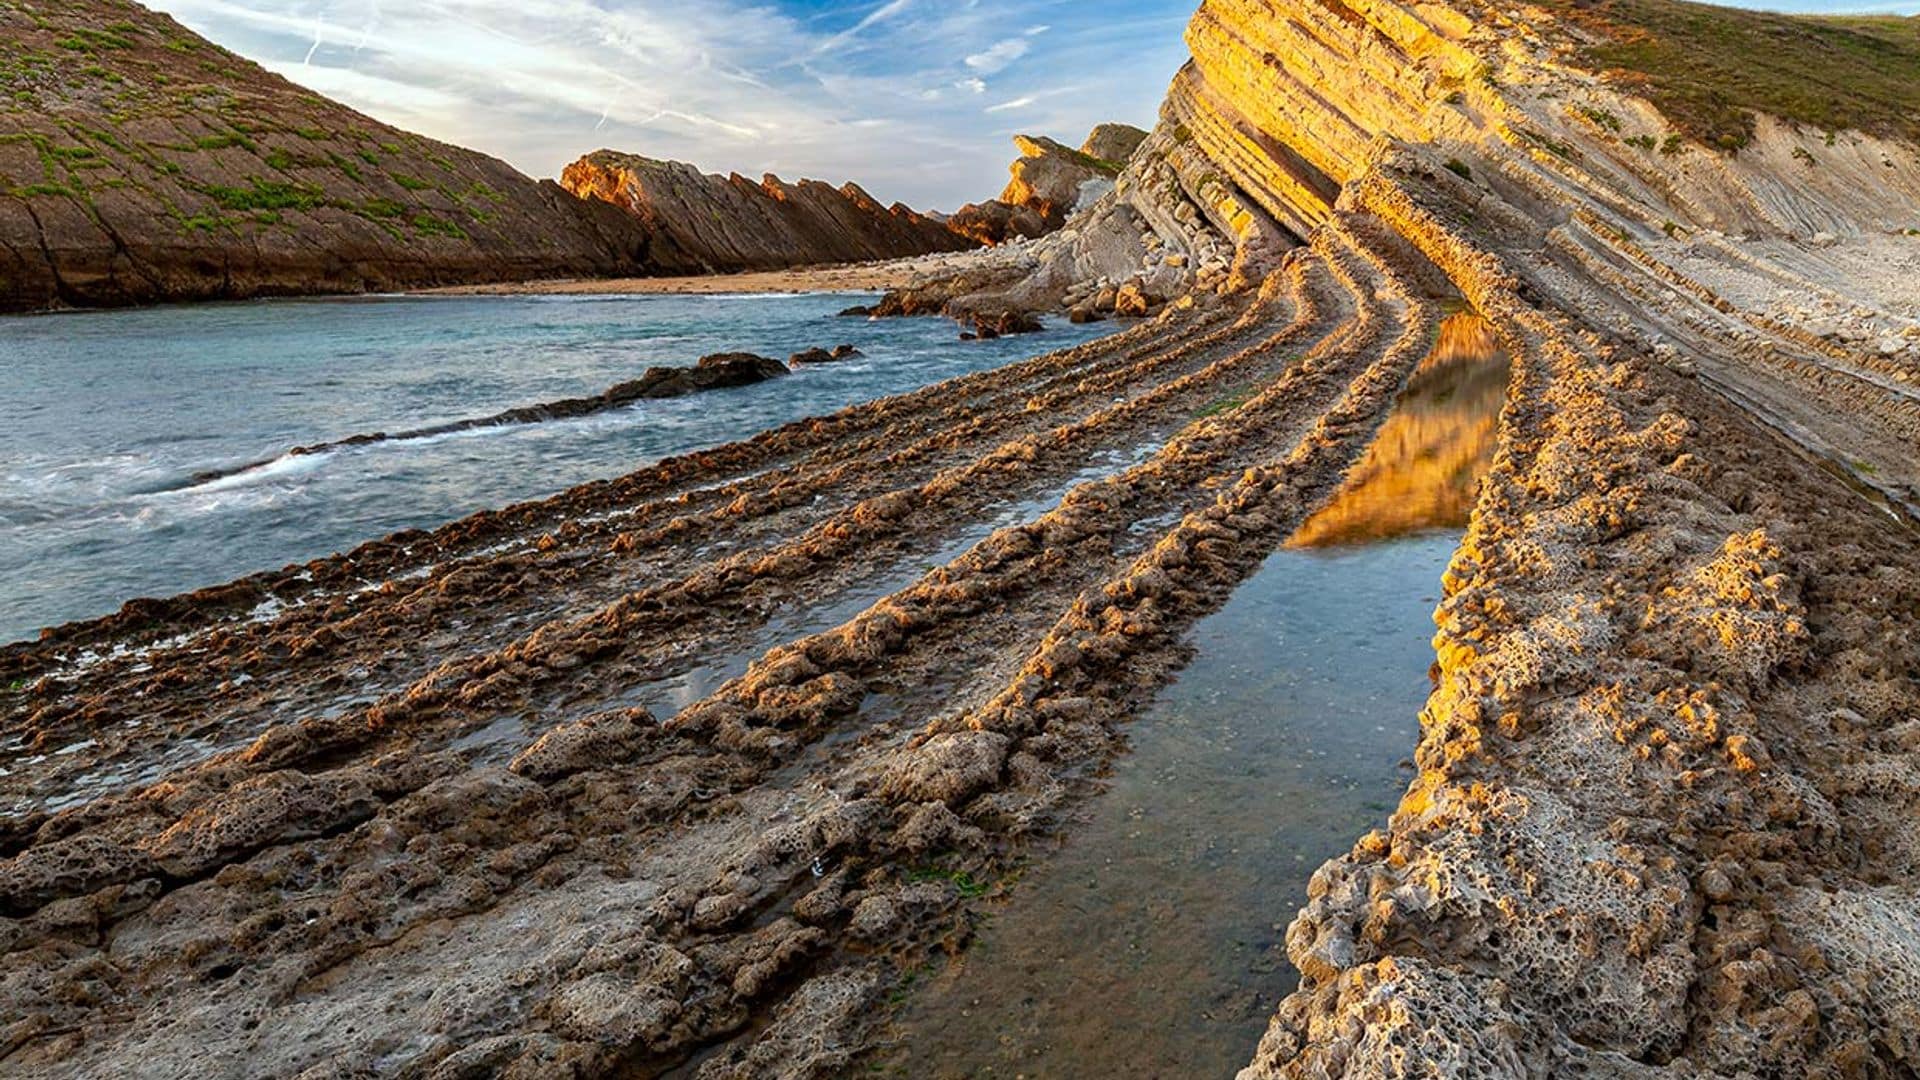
{"x":719,"y":371}
{"x":702,"y":223}
{"x":141,"y":163}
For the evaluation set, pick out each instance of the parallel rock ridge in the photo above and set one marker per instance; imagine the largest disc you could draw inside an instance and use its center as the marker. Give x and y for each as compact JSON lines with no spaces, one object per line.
{"x":704,"y":223}
{"x":140,"y":162}
{"x":407,"y":808}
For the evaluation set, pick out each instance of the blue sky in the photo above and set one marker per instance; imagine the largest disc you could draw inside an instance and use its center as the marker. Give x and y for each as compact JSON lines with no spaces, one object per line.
{"x":915,"y":99}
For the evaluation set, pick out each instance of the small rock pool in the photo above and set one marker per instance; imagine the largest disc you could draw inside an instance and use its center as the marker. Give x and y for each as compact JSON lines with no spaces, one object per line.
{"x":1149,"y":939}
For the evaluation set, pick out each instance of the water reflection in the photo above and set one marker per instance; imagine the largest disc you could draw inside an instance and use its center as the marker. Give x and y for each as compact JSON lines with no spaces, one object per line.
{"x":1424,"y":467}
{"x":1151,"y":943}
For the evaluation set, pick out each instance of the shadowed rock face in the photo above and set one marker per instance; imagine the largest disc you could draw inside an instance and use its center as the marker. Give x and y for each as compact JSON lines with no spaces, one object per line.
{"x":703,"y":223}
{"x":140,"y":163}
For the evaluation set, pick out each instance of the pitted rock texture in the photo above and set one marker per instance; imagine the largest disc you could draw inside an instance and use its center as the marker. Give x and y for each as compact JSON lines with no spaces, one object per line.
{"x":140,"y":163}
{"x":690,"y":769}
{"x":696,"y":222}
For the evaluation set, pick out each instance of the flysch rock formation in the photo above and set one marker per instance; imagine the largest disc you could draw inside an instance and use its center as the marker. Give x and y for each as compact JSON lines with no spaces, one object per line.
{"x":140,"y":162}
{"x":705,"y":223}
{"x":1049,"y":181}
{"x":689,"y":771}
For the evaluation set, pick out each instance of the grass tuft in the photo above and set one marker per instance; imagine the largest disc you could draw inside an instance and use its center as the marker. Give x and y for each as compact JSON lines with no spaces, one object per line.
{"x":1710,"y":69}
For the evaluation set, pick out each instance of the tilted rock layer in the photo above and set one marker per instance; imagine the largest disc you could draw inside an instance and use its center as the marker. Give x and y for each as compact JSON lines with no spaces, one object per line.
{"x":410,"y":809}
{"x":1048,"y":182}
{"x":702,"y":223}
{"x":140,"y":162}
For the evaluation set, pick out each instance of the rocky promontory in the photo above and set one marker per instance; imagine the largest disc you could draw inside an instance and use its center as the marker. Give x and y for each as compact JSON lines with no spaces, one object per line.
{"x":698,"y":222}
{"x":140,"y":162}
{"x":1048,"y":182}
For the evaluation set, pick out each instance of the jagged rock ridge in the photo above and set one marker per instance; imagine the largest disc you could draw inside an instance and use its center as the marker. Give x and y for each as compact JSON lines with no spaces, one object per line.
{"x":703,"y":223}
{"x":140,"y":162}
{"x":1048,"y":182}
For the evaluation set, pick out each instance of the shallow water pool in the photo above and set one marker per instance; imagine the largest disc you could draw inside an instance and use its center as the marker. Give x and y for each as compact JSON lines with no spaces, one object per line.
{"x":1149,"y":940}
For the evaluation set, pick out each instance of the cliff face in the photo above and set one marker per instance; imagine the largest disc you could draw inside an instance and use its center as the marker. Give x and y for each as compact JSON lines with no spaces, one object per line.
{"x":140,"y":163}
{"x":701,"y":223}
{"x":1048,"y":182}
{"x":1643,"y":841}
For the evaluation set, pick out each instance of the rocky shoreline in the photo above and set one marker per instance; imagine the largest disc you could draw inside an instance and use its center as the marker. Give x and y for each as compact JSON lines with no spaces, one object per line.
{"x":456,"y":811}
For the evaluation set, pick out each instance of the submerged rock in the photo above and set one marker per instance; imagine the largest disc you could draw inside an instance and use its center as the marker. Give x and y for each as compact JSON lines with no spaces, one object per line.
{"x":822,"y":356}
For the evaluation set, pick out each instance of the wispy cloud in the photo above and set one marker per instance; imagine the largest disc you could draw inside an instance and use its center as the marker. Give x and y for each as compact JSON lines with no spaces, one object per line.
{"x":997,"y":56}
{"x":888,"y":93}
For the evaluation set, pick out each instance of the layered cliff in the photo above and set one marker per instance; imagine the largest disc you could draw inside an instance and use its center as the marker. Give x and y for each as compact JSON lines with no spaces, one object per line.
{"x":1654,"y":831}
{"x":140,"y":162}
{"x":703,"y":223}
{"x":1642,"y":841}
{"x":595,"y":801}
{"x":1048,"y":182}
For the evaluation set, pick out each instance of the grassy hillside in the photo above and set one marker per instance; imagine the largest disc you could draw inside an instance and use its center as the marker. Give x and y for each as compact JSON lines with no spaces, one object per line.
{"x":1710,"y":68}
{"x":141,"y":162}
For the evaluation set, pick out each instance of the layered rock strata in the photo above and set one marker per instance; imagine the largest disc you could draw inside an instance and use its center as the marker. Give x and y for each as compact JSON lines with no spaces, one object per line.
{"x":449,"y":804}
{"x":1048,"y":182}
{"x":696,"y":222}
{"x":140,"y":162}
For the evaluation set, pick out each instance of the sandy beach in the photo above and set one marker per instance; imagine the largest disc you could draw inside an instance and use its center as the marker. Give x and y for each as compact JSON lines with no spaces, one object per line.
{"x":848,"y":277}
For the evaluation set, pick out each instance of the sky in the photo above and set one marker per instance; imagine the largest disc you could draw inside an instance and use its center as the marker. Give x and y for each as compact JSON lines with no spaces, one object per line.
{"x":917,"y":100}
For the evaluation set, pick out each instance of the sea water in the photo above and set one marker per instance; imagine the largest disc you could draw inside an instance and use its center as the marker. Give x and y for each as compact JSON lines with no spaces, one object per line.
{"x":109,"y":417}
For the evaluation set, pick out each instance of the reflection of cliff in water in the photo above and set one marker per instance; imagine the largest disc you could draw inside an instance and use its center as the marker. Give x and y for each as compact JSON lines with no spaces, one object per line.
{"x":1424,"y":468}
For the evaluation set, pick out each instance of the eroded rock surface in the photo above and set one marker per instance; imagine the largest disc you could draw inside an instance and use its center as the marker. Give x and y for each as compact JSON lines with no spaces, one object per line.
{"x":1049,"y":182}
{"x":446,"y":804}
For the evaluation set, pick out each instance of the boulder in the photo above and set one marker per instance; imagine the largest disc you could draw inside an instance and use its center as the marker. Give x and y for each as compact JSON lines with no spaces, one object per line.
{"x":1113,"y":142}
{"x":1132,"y":300}
{"x":999,"y":323}
{"x":996,"y":222}
{"x":822,"y":356}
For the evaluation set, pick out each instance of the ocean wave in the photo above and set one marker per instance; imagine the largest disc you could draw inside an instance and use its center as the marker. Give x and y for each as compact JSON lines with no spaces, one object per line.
{"x":655,"y":383}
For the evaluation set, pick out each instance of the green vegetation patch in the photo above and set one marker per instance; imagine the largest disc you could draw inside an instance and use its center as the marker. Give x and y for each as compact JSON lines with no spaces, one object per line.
{"x":1224,"y":405}
{"x":968,"y":886}
{"x":434,"y":226}
{"x":266,"y":195}
{"x":223,"y":141}
{"x":1710,"y":69}
{"x":87,"y":40}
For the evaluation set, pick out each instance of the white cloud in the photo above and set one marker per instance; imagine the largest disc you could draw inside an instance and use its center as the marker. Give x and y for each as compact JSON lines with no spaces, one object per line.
{"x":886,"y":93}
{"x":998,"y":56}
